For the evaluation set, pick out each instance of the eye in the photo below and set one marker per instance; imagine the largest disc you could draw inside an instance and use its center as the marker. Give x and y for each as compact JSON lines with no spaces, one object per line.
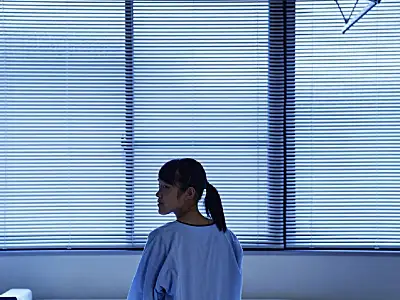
{"x":164,"y":186}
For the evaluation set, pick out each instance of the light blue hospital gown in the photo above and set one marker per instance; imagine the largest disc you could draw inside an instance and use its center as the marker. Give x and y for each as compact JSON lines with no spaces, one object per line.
{"x":185,"y":262}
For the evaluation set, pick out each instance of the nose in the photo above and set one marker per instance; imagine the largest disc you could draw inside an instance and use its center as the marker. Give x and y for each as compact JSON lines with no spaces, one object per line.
{"x":158,"y":194}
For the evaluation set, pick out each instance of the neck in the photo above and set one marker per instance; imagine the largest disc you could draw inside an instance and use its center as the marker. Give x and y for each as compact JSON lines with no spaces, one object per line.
{"x":193,"y":217}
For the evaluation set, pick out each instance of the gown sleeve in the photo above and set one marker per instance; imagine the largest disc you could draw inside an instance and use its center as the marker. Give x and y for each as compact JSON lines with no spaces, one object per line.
{"x":238,"y":250}
{"x":144,"y":284}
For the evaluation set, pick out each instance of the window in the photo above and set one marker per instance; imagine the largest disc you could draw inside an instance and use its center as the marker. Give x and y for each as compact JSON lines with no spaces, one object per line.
{"x":347,"y":130}
{"x":295,"y":123}
{"x":94,"y":101}
{"x":62,"y":119}
{"x":200,"y":90}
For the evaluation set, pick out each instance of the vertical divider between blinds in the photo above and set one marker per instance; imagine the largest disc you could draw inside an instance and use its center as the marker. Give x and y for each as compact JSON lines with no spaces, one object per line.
{"x":289,"y":98}
{"x":281,"y":96}
{"x":128,"y":139}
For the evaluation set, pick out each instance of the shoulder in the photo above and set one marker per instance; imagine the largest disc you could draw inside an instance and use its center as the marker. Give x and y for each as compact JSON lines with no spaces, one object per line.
{"x":236,"y":247}
{"x":234,"y":241}
{"x":231,"y":236}
{"x":163,"y":232}
{"x":161,"y":238}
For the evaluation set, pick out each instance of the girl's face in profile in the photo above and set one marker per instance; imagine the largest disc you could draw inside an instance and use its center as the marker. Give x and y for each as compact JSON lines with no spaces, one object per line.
{"x":169,"y":198}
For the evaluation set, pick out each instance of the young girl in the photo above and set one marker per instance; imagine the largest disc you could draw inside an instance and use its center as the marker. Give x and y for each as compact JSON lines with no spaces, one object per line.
{"x":194,"y":257}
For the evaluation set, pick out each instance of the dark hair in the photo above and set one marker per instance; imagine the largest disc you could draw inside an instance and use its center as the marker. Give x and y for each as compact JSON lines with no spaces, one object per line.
{"x":188,"y":172}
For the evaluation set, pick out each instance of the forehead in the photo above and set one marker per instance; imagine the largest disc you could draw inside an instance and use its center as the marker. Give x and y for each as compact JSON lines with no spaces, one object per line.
{"x":162,"y":182}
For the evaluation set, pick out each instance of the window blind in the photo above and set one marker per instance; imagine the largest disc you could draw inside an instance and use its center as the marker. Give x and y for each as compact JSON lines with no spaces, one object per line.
{"x":62,"y":118}
{"x":201,"y":90}
{"x":347,"y":130}
{"x":95,"y":101}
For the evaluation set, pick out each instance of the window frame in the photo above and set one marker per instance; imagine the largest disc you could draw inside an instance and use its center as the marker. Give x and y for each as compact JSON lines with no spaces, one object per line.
{"x":281,"y":154}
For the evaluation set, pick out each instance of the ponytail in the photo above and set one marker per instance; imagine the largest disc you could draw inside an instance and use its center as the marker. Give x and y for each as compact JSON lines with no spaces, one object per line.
{"x":213,"y":205}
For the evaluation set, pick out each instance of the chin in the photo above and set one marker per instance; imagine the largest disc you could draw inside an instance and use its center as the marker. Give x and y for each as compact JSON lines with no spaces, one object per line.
{"x":163,"y":212}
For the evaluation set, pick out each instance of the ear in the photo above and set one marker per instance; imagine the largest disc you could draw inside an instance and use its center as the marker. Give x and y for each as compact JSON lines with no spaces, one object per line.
{"x":191,"y":193}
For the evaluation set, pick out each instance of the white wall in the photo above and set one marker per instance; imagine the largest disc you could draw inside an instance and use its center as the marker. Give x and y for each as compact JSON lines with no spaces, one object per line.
{"x":290,"y":275}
